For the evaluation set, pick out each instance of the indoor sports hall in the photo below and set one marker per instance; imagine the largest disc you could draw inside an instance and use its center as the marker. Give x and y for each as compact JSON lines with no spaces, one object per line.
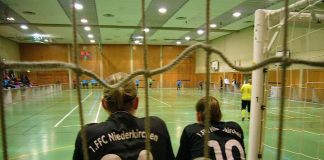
{"x":56,"y":54}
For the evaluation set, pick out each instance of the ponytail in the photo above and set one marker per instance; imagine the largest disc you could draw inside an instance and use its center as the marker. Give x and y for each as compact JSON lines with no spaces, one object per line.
{"x":215,"y":112}
{"x":120,"y":99}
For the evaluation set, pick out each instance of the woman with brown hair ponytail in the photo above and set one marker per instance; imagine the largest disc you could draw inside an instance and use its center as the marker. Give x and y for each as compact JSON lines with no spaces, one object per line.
{"x":225,"y":138}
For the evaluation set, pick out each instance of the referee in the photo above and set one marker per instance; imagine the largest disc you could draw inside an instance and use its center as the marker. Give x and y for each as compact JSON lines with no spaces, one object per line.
{"x":122,"y":135}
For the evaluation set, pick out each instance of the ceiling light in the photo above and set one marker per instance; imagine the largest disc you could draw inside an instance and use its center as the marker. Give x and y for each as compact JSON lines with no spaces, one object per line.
{"x":10,"y":19}
{"x":87,"y":28}
{"x":78,"y":6}
{"x":181,"y":18}
{"x":83,"y":20}
{"x":237,"y":14}
{"x":146,"y":30}
{"x":24,"y":27}
{"x":108,"y":15}
{"x":29,"y":12}
{"x":136,"y":41}
{"x":40,"y":35}
{"x":178,"y":42}
{"x":213,"y":25}
{"x":162,"y":10}
{"x":45,"y":40}
{"x":37,"y":37}
{"x":200,"y":31}
{"x":90,"y":35}
{"x":187,"y":38}
{"x":139,"y":37}
{"x":92,"y":41}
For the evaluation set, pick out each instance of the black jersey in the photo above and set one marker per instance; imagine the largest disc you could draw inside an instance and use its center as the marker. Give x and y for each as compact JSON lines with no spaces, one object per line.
{"x":226,"y":141}
{"x":123,"y":135}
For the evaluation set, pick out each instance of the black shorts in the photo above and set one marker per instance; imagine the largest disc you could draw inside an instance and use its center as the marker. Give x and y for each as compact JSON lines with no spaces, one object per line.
{"x":246,"y":103}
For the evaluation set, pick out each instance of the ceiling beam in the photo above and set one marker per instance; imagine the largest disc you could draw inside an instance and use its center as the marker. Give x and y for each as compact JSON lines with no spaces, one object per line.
{"x":116,"y":27}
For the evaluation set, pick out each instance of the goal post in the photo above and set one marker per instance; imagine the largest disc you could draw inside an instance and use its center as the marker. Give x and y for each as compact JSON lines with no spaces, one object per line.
{"x":259,"y":44}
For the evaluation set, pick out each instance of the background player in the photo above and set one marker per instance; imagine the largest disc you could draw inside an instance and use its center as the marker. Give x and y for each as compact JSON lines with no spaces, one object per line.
{"x":122,"y":135}
{"x":85,"y":83}
{"x":246,"y":99}
{"x":201,"y":83}
{"x":137,"y":82}
{"x":150,"y":81}
{"x":179,"y":83}
{"x":226,"y":138}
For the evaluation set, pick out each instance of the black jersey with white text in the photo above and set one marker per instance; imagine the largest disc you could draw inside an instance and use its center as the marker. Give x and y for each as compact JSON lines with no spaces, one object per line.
{"x":226,"y":141}
{"x":123,"y":135}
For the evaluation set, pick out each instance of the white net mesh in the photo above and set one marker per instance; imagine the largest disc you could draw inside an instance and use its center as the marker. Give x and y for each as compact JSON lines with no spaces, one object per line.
{"x":303,"y":88}
{"x":303,"y":128}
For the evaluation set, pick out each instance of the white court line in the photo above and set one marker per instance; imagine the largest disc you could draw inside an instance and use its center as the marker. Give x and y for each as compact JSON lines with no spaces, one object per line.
{"x":295,"y":108}
{"x":278,"y":114}
{"x":160,"y":101}
{"x":305,"y":102}
{"x":294,"y":152}
{"x":302,"y":113}
{"x":58,"y":123}
{"x":68,"y":126}
{"x":23,"y":156}
{"x":295,"y":130}
{"x":97,"y":116}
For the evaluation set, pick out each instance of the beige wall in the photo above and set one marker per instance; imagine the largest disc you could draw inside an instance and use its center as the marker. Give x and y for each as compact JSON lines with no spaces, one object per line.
{"x":237,"y":47}
{"x":305,"y":42}
{"x":9,"y":50}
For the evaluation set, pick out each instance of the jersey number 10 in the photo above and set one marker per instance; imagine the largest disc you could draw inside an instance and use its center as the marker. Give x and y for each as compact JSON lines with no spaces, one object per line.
{"x":228,"y":149}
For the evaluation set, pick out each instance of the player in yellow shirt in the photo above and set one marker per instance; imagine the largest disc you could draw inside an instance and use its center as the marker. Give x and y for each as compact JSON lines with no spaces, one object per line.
{"x":246,"y":90}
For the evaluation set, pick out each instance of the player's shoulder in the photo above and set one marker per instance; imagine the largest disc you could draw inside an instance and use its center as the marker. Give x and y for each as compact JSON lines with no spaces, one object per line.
{"x":233,"y":127}
{"x":90,"y":128}
{"x":194,"y":125}
{"x":93,"y":126}
{"x":155,"y":119}
{"x":231,"y":124}
{"x":193,"y":128}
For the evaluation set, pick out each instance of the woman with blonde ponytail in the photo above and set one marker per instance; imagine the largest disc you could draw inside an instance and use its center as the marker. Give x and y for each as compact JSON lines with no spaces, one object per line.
{"x":122,"y":135}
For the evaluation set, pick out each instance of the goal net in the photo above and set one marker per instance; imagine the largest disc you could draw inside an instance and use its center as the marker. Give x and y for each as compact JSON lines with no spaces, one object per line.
{"x":287,"y":99}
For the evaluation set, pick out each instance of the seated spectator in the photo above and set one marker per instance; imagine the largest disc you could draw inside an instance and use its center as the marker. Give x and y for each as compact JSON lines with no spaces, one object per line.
{"x":7,"y":82}
{"x":226,"y":138}
{"x":12,"y":75}
{"x":122,"y":136}
{"x":25,"y":80}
